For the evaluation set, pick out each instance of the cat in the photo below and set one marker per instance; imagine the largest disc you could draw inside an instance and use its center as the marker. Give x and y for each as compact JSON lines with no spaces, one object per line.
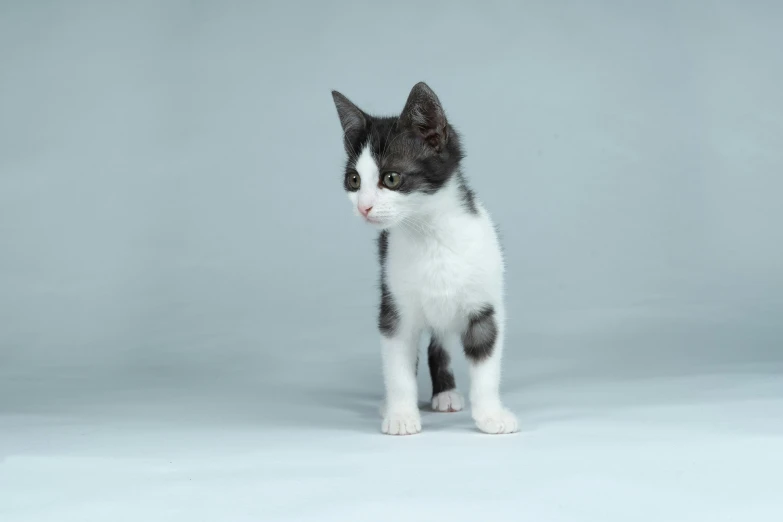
{"x":440,"y":259}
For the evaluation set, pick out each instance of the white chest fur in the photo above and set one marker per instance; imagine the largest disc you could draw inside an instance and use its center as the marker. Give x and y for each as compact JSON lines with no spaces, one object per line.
{"x":445,"y":270}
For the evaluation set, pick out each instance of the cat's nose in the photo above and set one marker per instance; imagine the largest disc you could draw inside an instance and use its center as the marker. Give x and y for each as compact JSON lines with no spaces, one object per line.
{"x":364,"y":210}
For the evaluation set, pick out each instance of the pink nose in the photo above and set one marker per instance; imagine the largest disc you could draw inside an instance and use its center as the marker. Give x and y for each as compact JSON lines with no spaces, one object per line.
{"x":365,"y":210}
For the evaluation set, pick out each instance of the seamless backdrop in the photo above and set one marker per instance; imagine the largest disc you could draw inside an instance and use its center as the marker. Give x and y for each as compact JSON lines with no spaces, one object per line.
{"x":179,"y":264}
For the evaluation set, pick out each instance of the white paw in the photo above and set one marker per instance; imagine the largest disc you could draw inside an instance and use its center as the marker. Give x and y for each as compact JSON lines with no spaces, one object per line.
{"x":402,"y":423}
{"x":496,"y":422}
{"x":450,"y":400}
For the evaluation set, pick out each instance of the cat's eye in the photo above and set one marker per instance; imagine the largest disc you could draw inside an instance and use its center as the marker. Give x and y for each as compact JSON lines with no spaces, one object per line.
{"x":392,"y":180}
{"x":354,"y":181}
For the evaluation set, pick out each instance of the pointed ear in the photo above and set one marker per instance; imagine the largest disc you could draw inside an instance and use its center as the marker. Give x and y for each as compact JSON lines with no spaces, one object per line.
{"x":351,"y":117}
{"x":424,"y":114}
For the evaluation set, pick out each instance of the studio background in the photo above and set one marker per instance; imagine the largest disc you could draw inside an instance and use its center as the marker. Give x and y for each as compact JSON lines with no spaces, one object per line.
{"x":177,"y":254}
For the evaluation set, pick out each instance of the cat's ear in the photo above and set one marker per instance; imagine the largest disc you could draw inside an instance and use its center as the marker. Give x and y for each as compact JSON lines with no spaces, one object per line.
{"x":351,"y":117}
{"x":424,"y":114}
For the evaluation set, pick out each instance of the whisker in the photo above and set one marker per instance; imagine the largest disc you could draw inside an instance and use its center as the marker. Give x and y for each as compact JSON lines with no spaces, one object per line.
{"x":397,"y":137}
{"x":352,"y":153}
{"x":377,"y":137}
{"x":414,"y":225}
{"x":386,"y":144}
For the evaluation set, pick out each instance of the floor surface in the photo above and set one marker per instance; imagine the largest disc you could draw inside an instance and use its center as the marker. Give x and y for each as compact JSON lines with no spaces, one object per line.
{"x":612,"y":445}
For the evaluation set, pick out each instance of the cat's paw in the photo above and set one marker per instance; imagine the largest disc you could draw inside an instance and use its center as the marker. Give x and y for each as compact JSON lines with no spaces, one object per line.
{"x":401,"y":423}
{"x":450,"y":401}
{"x":496,"y":422}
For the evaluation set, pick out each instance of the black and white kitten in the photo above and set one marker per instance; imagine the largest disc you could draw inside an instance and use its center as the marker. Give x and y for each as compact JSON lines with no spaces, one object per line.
{"x":441,"y":262}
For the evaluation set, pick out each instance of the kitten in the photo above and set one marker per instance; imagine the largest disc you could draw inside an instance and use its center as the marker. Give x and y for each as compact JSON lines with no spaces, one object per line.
{"x":441,"y":262}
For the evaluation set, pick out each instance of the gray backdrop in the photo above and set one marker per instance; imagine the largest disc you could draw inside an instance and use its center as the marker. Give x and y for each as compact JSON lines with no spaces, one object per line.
{"x":172,"y":220}
{"x":187,"y":304}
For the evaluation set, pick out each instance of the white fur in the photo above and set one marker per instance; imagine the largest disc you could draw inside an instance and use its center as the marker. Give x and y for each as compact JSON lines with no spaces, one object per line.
{"x":389,"y":208}
{"x":450,"y":400}
{"x":443,"y":264}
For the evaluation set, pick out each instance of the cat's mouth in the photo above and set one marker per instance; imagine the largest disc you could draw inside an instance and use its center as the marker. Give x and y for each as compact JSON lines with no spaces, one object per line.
{"x":375,"y":221}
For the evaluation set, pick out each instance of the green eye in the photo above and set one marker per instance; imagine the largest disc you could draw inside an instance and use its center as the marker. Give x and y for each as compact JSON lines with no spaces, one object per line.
{"x":354,"y":181}
{"x":392,"y":180}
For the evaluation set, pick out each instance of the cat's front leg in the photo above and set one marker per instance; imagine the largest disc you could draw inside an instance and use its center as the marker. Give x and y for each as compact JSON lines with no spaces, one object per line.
{"x":399,"y":350}
{"x":483,"y":344}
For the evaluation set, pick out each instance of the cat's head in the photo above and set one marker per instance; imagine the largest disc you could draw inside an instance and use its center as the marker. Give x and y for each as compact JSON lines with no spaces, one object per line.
{"x":395,"y":164}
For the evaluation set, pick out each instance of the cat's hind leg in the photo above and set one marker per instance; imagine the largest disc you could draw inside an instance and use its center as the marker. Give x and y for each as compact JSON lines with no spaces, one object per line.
{"x":445,"y":397}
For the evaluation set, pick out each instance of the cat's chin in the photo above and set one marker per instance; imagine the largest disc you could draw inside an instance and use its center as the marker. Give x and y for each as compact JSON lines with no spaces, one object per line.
{"x":377,"y":223}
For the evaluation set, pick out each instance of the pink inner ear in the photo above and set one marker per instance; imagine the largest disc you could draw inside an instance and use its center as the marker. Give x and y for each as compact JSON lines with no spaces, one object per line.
{"x":432,"y":137}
